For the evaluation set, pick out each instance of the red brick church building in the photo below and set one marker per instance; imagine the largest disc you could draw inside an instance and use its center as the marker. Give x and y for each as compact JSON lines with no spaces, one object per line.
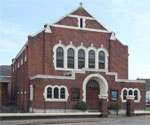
{"x":74,"y":59}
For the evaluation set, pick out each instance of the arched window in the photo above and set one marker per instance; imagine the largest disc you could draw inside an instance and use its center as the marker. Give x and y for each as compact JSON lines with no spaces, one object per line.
{"x":62,"y":93}
{"x":124,"y":94}
{"x":101,"y":60}
{"x":70,"y":58}
{"x":56,"y":93}
{"x":136,"y":95}
{"x":130,"y":92}
{"x":60,"y":57}
{"x":81,"y":59}
{"x":91,"y":59}
{"x":93,"y":84}
{"x":49,"y":92}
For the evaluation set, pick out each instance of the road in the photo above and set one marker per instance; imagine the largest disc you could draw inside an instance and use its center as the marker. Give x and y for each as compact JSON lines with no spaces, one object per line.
{"x":112,"y":120}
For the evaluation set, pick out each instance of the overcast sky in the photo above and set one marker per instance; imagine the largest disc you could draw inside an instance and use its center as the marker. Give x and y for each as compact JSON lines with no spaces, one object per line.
{"x":129,"y":19}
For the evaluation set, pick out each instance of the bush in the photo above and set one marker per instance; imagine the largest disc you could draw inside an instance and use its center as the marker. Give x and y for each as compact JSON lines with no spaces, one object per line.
{"x":113,"y":106}
{"x":81,"y":106}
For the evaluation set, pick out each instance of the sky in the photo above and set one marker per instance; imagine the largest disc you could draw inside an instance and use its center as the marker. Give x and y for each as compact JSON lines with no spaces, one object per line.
{"x":129,"y":19}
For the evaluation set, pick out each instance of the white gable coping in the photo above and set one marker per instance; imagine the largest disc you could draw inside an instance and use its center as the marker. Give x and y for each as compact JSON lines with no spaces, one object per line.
{"x":78,"y":28}
{"x":68,"y":15}
{"x":48,"y":29}
{"x":83,"y":71}
{"x":113,"y":37}
{"x":37,"y":32}
{"x":84,"y":17}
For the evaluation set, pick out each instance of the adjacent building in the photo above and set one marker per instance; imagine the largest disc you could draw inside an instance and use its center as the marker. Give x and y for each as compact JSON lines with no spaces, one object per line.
{"x":5,"y":85}
{"x":74,"y":59}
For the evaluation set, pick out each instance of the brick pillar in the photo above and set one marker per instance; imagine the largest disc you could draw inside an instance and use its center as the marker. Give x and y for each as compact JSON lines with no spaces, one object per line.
{"x":103,"y":105}
{"x":130,"y":105}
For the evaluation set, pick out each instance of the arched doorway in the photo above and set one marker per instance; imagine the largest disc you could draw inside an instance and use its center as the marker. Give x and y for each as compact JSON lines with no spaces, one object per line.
{"x":95,"y":89}
{"x":92,"y":92}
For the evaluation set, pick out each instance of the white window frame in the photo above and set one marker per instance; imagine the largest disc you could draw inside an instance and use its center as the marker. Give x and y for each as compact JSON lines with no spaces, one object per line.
{"x":76,"y":49}
{"x":53,"y":99}
{"x":31,"y":92}
{"x":132,"y":89}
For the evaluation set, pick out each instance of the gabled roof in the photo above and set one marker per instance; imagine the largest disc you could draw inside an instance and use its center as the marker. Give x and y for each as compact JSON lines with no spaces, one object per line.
{"x":83,"y":13}
{"x":5,"y":70}
{"x":3,"y":80}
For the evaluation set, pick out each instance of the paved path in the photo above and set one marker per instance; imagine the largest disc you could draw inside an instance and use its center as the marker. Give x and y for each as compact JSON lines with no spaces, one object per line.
{"x":112,"y":120}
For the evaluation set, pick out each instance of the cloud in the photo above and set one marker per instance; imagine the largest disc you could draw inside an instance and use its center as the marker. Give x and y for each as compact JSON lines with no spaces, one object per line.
{"x":11,"y":29}
{"x":8,"y":46}
{"x":12,"y":37}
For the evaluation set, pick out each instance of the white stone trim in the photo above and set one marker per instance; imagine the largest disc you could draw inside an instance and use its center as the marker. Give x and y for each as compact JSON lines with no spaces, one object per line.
{"x":106,"y":56}
{"x":131,"y":97}
{"x":48,"y":29}
{"x":83,"y":17}
{"x":102,"y":82}
{"x":78,"y":28}
{"x":54,"y":56}
{"x":53,"y":99}
{"x":76,"y":49}
{"x":113,"y":37}
{"x":66,"y":55}
{"x":31,"y":92}
{"x":132,"y":89}
{"x":37,"y":32}
{"x":20,"y":52}
{"x":83,"y":71}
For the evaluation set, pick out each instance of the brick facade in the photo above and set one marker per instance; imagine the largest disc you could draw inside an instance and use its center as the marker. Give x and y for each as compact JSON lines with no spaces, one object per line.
{"x":34,"y":65}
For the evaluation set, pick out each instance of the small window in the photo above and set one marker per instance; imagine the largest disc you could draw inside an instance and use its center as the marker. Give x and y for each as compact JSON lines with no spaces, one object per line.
{"x":91,"y":59}
{"x":76,"y":94}
{"x":93,"y":84}
{"x":49,"y":92}
{"x":101,"y":60}
{"x":136,"y":95}
{"x":81,"y":23}
{"x":130,"y":92}
{"x":60,"y":57}
{"x":56,"y":93}
{"x":81,"y":59}
{"x":125,"y":95}
{"x":62,"y":93}
{"x":70,"y":58}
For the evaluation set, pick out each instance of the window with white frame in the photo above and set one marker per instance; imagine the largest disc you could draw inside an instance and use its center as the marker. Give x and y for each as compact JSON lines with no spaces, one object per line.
{"x":70,"y":57}
{"x":101,"y":60}
{"x":130,"y":91}
{"x":55,"y":93}
{"x":91,"y":59}
{"x":60,"y":57}
{"x":81,"y":59}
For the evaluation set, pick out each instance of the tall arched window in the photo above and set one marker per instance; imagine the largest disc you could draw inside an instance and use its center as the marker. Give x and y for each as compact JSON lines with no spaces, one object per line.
{"x":81,"y":59}
{"x":49,"y":92}
{"x":124,"y":94}
{"x":60,"y":57}
{"x":136,"y":95}
{"x":130,"y":92}
{"x":56,"y":93}
{"x":101,"y":60}
{"x":62,"y":93}
{"x":70,"y":54}
{"x":91,"y":59}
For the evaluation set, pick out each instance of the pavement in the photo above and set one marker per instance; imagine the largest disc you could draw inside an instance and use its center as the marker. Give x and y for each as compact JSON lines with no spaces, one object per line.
{"x":111,"y":120}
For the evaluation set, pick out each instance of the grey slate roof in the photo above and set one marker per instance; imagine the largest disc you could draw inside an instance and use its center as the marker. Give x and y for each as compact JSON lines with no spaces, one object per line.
{"x":3,"y":80}
{"x":5,"y":70}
